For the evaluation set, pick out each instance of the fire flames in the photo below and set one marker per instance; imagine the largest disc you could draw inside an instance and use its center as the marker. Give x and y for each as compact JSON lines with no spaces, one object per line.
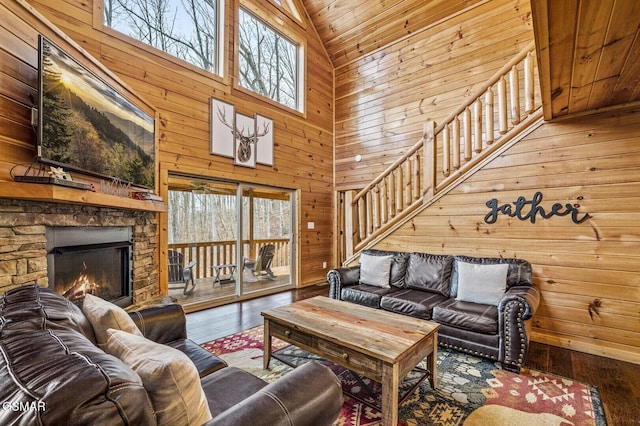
{"x":80,"y":287}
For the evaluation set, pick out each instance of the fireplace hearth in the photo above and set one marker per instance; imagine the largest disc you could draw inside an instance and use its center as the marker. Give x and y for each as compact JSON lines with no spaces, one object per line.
{"x":94,"y":260}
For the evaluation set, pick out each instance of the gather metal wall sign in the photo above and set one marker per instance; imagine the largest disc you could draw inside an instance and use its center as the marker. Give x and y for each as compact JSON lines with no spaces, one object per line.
{"x":524,"y":209}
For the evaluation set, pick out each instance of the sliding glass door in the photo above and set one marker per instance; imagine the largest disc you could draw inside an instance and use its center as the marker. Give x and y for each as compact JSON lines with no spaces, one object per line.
{"x":268,"y":243}
{"x":233,"y":239}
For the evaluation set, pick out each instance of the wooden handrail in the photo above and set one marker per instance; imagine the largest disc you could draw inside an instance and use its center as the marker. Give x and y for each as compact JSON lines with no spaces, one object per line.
{"x":477,"y":94}
{"x":390,"y":169}
{"x":483,"y":89}
{"x":463,"y":139}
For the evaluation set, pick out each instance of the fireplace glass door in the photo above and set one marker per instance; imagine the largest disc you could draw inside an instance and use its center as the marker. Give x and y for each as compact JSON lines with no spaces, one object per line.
{"x":99,"y":270}
{"x":90,"y":260}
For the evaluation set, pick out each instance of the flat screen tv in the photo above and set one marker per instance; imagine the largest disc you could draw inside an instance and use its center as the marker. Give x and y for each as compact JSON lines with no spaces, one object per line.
{"x":86,"y":125}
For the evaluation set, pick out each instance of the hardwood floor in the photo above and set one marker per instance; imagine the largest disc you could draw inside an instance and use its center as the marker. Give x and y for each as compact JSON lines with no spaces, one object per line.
{"x":210,"y":324}
{"x":617,"y":381}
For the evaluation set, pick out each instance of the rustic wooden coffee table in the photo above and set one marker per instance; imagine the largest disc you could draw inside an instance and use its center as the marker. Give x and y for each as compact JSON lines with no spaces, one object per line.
{"x":380,"y":345}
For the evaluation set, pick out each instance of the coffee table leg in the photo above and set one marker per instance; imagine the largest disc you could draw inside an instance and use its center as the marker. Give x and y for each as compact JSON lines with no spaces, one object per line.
{"x":432,"y":361}
{"x":267,"y":345}
{"x":390,"y":383}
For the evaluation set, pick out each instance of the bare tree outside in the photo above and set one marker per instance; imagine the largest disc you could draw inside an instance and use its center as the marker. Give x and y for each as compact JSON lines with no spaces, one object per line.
{"x":201,"y":217}
{"x":268,"y":61}
{"x":271,"y":218}
{"x":186,"y":29}
{"x":195,"y":218}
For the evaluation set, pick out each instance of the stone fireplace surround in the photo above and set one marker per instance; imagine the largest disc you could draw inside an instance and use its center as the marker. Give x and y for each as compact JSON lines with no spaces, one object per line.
{"x":23,"y":256}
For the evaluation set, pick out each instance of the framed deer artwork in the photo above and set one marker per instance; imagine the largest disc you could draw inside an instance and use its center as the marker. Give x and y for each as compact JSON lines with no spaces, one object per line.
{"x":223,"y":120}
{"x":248,"y":140}
{"x":264,"y":146}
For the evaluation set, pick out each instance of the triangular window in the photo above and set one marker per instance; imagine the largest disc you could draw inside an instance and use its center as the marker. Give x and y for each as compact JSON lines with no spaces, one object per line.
{"x":289,"y":7}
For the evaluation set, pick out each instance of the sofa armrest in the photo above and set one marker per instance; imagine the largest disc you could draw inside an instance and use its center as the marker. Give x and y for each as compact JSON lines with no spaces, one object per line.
{"x":516,"y":309}
{"x":162,"y":324}
{"x":307,"y":395}
{"x":527,"y":296}
{"x":342,"y":277}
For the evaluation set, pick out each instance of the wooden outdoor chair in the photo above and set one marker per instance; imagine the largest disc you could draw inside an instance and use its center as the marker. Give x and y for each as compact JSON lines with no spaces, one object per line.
{"x":261,"y":266}
{"x":181,"y":274}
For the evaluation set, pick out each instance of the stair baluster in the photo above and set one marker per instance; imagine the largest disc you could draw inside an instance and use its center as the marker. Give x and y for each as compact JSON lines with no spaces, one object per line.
{"x":446,"y":152}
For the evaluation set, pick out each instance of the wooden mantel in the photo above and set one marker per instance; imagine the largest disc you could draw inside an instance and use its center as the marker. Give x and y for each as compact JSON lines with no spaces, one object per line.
{"x":60,"y":194}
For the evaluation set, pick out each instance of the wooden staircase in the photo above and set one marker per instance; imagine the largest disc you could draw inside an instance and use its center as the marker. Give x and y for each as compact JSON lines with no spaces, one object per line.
{"x":497,"y":114}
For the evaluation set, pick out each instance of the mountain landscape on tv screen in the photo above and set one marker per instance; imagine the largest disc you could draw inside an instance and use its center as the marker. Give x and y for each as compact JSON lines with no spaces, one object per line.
{"x":88,"y":126}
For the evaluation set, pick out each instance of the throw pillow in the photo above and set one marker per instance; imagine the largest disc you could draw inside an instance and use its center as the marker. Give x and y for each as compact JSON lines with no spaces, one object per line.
{"x":169,"y":376}
{"x":430,"y":272}
{"x":104,"y":315}
{"x":375,"y":270}
{"x":480,"y":283}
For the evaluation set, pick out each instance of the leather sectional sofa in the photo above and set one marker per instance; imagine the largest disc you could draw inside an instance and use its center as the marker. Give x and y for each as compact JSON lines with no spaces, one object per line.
{"x":54,"y":372}
{"x":484,"y":305}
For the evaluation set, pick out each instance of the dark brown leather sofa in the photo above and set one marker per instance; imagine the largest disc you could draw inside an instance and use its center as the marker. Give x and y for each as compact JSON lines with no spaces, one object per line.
{"x":53,"y":373}
{"x":426,"y":286}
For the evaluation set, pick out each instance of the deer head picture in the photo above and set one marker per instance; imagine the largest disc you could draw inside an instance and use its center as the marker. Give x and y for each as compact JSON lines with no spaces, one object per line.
{"x":246,"y":137}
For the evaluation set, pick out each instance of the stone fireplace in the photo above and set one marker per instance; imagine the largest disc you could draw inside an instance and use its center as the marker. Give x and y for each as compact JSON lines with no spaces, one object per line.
{"x":32,"y":251}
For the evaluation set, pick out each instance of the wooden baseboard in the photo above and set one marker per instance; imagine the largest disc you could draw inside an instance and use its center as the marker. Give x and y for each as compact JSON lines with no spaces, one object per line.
{"x":609,"y":350}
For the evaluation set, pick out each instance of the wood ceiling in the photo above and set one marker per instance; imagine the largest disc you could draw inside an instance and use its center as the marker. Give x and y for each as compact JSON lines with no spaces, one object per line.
{"x":350,"y":29}
{"x":588,"y":54}
{"x":588,"y":50}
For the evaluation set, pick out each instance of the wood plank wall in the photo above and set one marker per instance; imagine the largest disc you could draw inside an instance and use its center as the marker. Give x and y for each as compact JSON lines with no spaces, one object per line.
{"x":589,"y":273}
{"x":384,"y":98}
{"x":303,"y":145}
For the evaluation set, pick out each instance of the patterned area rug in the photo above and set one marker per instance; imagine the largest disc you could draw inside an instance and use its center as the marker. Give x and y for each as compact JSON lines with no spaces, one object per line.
{"x":471,"y":390}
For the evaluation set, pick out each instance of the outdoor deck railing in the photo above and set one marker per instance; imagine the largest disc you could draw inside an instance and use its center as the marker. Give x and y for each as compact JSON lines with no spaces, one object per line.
{"x":212,"y":253}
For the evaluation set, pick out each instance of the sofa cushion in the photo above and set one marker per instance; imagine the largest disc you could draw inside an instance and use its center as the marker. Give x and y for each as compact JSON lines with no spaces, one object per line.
{"x":59,"y":369}
{"x":168,"y":375}
{"x":415,"y":303}
{"x":29,"y":306}
{"x":480,"y":283}
{"x":205,"y":362}
{"x":216,"y":387}
{"x":518,"y":273}
{"x":366,"y":295}
{"x":375,"y":270}
{"x":104,"y":315}
{"x":429,"y":272}
{"x":468,"y":316}
{"x":398,"y":265}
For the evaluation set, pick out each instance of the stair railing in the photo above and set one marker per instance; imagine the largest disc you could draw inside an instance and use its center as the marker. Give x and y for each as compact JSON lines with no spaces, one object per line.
{"x":492,"y":115}
{"x":472,"y":131}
